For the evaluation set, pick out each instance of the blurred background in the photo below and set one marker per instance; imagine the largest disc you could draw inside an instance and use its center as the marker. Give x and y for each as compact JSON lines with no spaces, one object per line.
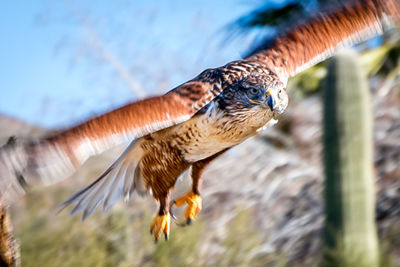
{"x":65,"y":61}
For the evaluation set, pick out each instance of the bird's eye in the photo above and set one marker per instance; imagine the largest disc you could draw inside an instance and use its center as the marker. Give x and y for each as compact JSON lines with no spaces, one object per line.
{"x":254,"y":91}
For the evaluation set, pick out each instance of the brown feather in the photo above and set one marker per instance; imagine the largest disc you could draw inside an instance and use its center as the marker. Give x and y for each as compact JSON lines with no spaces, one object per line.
{"x":317,"y":38}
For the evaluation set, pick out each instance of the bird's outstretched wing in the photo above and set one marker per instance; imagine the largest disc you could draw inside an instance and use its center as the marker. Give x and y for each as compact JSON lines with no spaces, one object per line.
{"x":317,"y":38}
{"x":142,"y":117}
{"x":56,"y":157}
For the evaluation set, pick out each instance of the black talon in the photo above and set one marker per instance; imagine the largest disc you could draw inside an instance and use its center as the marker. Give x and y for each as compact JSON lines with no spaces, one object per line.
{"x":171,"y":204}
{"x":181,"y":224}
{"x":189,"y":221}
{"x":166,"y":236}
{"x":172,"y":215}
{"x":155,"y":240}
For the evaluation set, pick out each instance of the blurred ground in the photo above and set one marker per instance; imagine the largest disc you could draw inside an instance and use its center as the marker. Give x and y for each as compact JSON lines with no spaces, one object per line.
{"x":262,"y":203}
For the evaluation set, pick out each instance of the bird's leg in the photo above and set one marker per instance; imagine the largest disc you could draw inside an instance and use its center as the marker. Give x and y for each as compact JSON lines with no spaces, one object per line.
{"x":192,"y":198}
{"x":162,"y":221}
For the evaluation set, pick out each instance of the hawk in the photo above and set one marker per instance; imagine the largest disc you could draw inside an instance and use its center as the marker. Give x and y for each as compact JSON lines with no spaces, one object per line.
{"x":190,"y":125}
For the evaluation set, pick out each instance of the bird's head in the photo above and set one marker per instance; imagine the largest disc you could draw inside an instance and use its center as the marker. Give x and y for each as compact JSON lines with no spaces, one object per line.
{"x":256,"y":92}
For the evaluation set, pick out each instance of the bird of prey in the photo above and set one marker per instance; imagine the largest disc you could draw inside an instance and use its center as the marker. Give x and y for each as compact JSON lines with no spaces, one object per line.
{"x":190,"y":125}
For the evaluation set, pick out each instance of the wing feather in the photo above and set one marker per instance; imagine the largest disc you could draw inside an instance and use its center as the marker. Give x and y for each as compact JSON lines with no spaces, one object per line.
{"x":115,"y":189}
{"x":129,"y":186}
{"x":319,"y":37}
{"x":113,"y":184}
{"x":139,"y":185}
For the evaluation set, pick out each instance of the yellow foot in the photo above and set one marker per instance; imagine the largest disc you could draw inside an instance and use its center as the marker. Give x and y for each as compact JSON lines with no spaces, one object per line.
{"x":193,"y":202}
{"x":160,"y":224}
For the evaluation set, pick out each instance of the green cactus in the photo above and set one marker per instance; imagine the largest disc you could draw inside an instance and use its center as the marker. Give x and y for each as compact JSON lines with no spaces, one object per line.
{"x":351,"y":238}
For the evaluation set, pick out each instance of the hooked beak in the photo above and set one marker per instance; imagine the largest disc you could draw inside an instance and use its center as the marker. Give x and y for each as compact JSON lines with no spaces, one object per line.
{"x":270,"y":100}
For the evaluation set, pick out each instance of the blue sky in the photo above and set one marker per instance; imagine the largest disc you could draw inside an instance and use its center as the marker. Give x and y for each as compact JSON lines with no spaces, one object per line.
{"x":55,"y":55}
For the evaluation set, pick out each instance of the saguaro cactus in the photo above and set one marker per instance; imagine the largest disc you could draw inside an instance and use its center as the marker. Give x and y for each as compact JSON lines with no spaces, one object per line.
{"x":351,"y":238}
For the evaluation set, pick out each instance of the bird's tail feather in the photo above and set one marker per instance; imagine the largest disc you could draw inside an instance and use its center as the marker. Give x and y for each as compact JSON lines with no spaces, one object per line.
{"x":31,"y":164}
{"x":120,"y":180}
